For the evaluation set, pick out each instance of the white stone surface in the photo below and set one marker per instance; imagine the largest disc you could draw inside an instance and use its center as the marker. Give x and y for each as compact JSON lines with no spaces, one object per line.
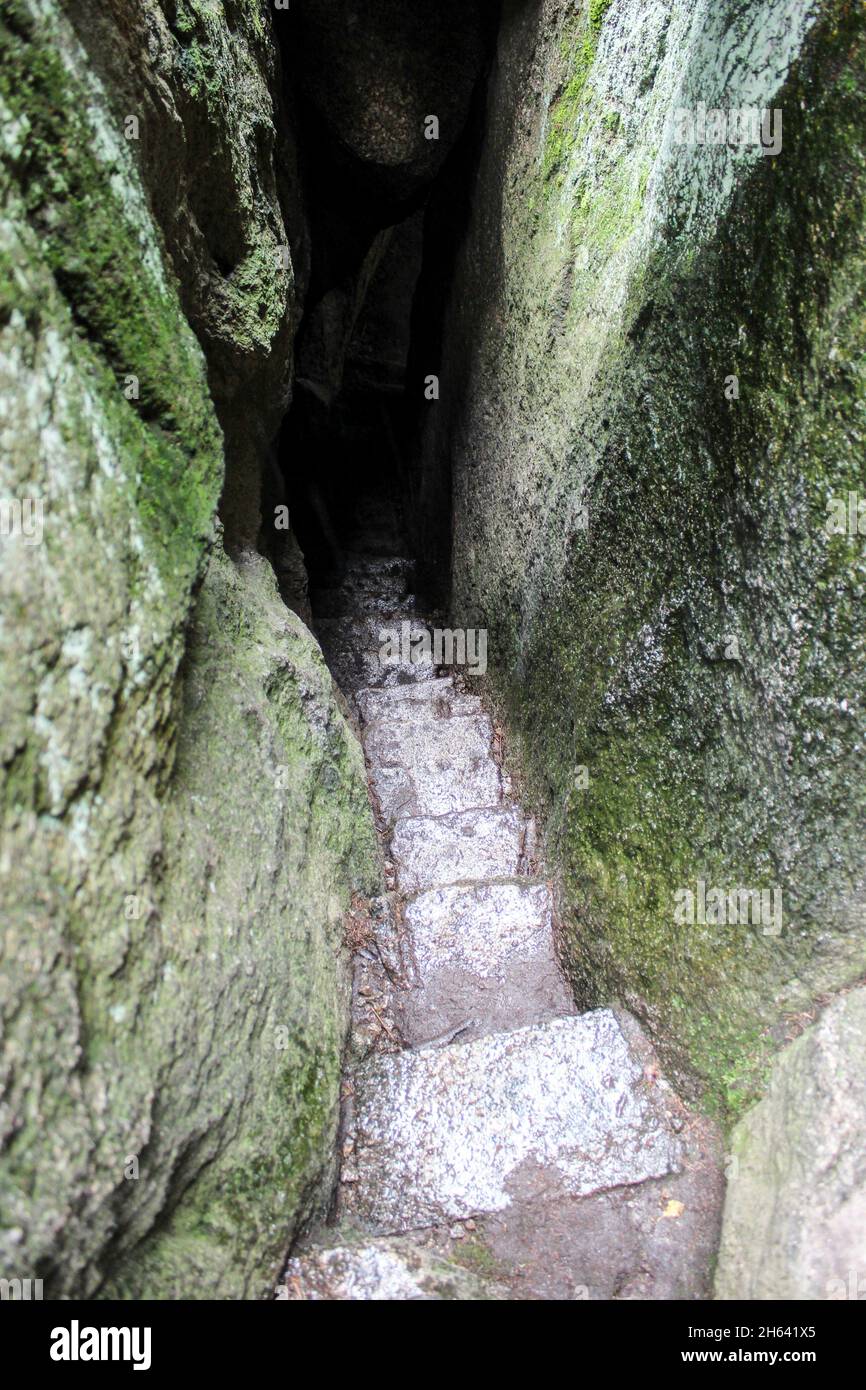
{"x":481,"y":929}
{"x":440,"y":1134}
{"x":484,"y":961}
{"x":434,"y":850}
{"x":432,"y":765}
{"x":380,"y":1271}
{"x":364,"y":1274}
{"x":417,"y":700}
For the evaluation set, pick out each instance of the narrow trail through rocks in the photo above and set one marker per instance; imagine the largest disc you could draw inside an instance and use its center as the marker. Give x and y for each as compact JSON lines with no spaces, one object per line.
{"x":496,"y":1143}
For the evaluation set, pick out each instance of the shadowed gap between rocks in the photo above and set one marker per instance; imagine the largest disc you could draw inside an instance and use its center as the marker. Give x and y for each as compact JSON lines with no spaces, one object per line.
{"x":387,"y":208}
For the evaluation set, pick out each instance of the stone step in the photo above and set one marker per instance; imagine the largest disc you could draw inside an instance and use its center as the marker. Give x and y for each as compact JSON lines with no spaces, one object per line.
{"x":433,"y":851}
{"x":449,"y":1133}
{"x":431,"y":765}
{"x":356,"y":652}
{"x":376,"y":568}
{"x":417,"y":701}
{"x":483,"y":956}
{"x":489,"y":1130}
{"x":392,"y":604}
{"x":395,"y":1270}
{"x":385,"y":588}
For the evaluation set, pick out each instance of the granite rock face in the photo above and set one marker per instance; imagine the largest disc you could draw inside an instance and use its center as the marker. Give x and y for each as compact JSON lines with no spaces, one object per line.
{"x":384,"y":1271}
{"x":484,"y":955}
{"x":215,"y":147}
{"x":642,"y":342}
{"x":651,"y":392}
{"x":433,"y":850}
{"x":795,"y":1213}
{"x":444,"y":1133}
{"x":184,"y":809}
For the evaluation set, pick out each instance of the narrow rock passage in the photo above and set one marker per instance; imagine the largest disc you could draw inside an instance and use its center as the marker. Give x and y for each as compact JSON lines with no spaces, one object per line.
{"x":497,"y":1144}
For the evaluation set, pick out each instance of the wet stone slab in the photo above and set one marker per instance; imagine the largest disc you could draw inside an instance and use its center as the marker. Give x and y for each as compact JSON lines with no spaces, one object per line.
{"x":381,"y":1271}
{"x":417,"y":701}
{"x":371,"y":585}
{"x":442,"y":1134}
{"x":433,"y":765}
{"x":484,"y":958}
{"x":356,"y":653}
{"x":480,"y":928}
{"x":432,"y":851}
{"x":483,"y":1118}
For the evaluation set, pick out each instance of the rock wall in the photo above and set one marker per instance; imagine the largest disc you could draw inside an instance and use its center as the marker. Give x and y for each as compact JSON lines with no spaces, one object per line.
{"x":795,"y":1213}
{"x":216,"y":150}
{"x":652,"y":386}
{"x":184,"y":809}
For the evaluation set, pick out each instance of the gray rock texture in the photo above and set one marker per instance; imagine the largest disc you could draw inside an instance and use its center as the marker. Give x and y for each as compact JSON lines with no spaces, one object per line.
{"x":383,"y":1271}
{"x":360,"y":651}
{"x":183,"y":809}
{"x":651,"y":389}
{"x":375,"y":77}
{"x":484,"y":961}
{"x":432,"y":767}
{"x":480,"y":844}
{"x":216,"y":155}
{"x":641,"y":341}
{"x":795,"y":1211}
{"x":434,"y":698}
{"x":442,"y":1133}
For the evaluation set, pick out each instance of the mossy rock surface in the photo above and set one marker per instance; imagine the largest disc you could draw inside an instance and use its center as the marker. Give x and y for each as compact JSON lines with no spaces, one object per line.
{"x":674,"y":637}
{"x":796,"y":1199}
{"x":184,"y":808}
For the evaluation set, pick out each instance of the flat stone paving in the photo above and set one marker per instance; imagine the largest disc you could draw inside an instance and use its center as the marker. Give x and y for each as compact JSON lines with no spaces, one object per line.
{"x":485,"y":960}
{"x":432,"y":766}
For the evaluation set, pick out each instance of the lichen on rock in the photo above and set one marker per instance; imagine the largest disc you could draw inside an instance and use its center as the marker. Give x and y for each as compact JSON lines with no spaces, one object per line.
{"x":184,"y":808}
{"x":794,"y":1213}
{"x":635,"y":399}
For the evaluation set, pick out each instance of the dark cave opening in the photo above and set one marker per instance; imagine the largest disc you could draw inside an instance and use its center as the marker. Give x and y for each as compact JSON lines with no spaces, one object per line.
{"x":383,"y":236}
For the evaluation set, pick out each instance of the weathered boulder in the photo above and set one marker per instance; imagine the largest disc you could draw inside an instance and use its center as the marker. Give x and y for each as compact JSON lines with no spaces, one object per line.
{"x":375,"y":76}
{"x":795,"y":1213}
{"x":215,"y":146}
{"x":652,"y":386}
{"x":184,"y":809}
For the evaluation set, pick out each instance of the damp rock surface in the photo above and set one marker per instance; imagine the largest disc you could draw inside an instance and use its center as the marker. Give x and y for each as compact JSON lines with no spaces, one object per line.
{"x":442,"y":1133}
{"x":485,"y":960}
{"x":638,"y":509}
{"x":795,"y":1211}
{"x":487,"y":842}
{"x":383,"y":1271}
{"x":183,"y":810}
{"x":433,"y":766}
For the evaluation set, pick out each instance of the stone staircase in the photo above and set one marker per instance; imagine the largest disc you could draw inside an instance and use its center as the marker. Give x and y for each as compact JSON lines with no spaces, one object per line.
{"x":496,"y":1144}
